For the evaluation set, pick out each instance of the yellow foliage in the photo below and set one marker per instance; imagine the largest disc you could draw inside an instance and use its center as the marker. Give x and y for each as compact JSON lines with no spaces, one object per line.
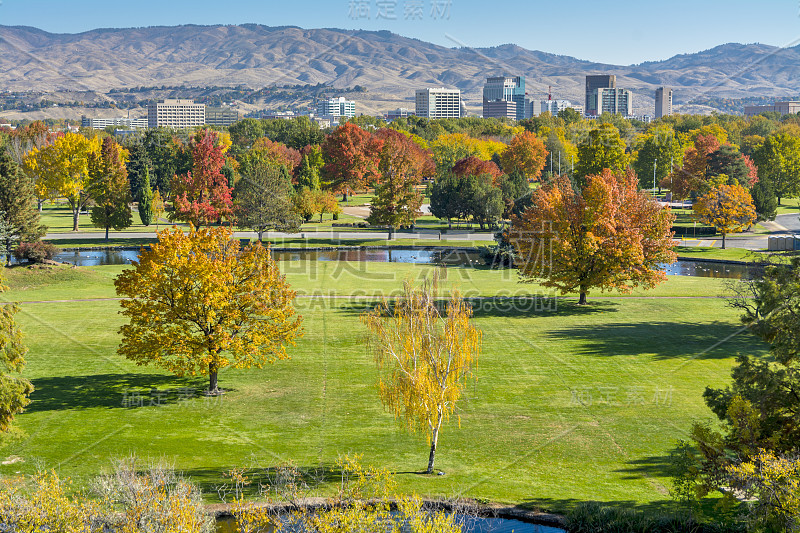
{"x":62,"y":166}
{"x":196,"y":303}
{"x":729,"y":208}
{"x":775,"y":482}
{"x":425,"y":356}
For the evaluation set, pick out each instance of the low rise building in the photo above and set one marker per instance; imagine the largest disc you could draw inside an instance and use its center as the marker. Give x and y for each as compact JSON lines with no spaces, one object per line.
{"x":789,"y":107}
{"x":221,"y":116}
{"x":103,"y":123}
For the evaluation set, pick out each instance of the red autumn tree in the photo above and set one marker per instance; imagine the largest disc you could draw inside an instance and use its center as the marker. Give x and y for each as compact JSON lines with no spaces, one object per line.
{"x":525,"y":154}
{"x":351,"y":159}
{"x":609,"y":235}
{"x":203,"y":196}
{"x":472,"y":166}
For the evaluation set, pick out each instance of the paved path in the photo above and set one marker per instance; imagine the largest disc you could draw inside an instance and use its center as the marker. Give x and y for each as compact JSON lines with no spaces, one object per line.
{"x":452,"y":235}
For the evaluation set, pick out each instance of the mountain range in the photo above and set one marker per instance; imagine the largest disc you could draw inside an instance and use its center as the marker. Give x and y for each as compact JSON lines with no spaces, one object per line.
{"x":390,"y":66}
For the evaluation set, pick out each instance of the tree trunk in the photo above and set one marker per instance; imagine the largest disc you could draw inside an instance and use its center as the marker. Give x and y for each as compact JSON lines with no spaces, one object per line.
{"x":344,"y":196}
{"x":260,"y":234}
{"x":212,"y":379}
{"x":434,"y":439}
{"x":320,"y":218}
{"x":723,"y":241}
{"x":582,"y":297}
{"x":106,"y":233}
{"x":41,"y":204}
{"x":76,"y":212}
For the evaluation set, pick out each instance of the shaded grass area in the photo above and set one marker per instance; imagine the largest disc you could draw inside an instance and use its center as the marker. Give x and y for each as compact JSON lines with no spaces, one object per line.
{"x":574,"y":404}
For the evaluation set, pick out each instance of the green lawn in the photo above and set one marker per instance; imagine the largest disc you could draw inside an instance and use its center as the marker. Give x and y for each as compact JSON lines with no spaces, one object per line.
{"x":789,"y":205}
{"x":571,"y":404}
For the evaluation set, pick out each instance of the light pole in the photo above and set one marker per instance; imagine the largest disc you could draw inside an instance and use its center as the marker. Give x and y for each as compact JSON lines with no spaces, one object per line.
{"x":654,"y":176}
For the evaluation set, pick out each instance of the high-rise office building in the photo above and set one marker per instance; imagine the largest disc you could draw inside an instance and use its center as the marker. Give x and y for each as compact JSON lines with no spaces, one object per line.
{"x":594,"y":82}
{"x":438,"y":103}
{"x":504,"y":89}
{"x":336,"y":107}
{"x":663,"y":102}
{"x":614,"y":101}
{"x":175,"y":114}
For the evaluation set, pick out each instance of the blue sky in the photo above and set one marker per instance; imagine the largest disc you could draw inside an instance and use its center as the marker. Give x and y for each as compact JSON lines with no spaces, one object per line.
{"x":637,"y":30}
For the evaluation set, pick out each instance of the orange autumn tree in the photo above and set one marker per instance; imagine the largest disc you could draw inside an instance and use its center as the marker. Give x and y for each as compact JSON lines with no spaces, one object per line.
{"x":198,"y":303}
{"x":426,"y":356}
{"x":525,"y":154}
{"x":729,"y":208}
{"x":609,"y":235}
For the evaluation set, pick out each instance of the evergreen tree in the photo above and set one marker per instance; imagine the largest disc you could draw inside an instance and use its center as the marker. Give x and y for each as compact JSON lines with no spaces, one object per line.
{"x":307,"y":175}
{"x":146,"y":200}
{"x":765,"y":200}
{"x":17,"y":204}
{"x":263,"y":198}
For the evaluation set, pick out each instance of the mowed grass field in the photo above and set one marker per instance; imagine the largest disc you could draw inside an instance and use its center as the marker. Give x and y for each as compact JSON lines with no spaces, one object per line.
{"x":571,"y":404}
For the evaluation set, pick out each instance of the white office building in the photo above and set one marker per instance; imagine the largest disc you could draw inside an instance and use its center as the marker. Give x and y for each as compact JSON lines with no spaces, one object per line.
{"x":336,"y":107}
{"x":103,"y":123}
{"x":438,"y":103}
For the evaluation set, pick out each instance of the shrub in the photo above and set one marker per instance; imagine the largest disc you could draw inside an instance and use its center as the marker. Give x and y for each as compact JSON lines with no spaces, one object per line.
{"x":35,"y":252}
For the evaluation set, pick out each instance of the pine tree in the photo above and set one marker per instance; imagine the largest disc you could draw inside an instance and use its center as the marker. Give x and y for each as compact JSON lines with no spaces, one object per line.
{"x":17,"y":204}
{"x":146,"y":200}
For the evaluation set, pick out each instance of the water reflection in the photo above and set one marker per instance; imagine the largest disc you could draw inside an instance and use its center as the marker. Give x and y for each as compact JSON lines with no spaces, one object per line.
{"x":447,"y":257}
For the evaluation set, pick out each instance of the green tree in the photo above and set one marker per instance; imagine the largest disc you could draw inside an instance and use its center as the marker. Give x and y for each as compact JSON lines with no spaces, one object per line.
{"x":569,"y":116}
{"x":602,"y":148}
{"x":146,"y":200}
{"x":107,"y":185}
{"x":307,"y":174}
{"x":18,"y":210}
{"x":659,"y":150}
{"x":764,"y":200}
{"x":263,"y":198}
{"x":778,"y":161}
{"x":14,"y":390}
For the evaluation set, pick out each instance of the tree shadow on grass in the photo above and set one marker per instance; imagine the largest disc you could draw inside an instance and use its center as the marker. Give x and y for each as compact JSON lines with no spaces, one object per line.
{"x":213,"y":481}
{"x":654,"y":465}
{"x":111,"y":391}
{"x":488,"y":307}
{"x":563,"y":506}
{"x":667,"y":340}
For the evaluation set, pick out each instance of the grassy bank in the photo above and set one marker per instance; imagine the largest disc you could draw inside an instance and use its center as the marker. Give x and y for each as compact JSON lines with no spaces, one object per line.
{"x":571,"y":404}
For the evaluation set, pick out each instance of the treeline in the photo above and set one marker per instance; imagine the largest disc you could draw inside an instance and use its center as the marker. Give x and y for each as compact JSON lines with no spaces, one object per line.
{"x":476,"y":170}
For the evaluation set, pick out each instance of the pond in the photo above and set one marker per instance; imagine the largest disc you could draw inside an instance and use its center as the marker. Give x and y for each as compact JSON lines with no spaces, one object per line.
{"x":469,"y":524}
{"x":448,"y":257}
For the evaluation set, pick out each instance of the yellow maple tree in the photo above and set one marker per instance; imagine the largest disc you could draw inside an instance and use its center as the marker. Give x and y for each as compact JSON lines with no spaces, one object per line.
{"x":63,"y":167}
{"x":426,"y":356}
{"x":197,"y":303}
{"x":729,"y":208}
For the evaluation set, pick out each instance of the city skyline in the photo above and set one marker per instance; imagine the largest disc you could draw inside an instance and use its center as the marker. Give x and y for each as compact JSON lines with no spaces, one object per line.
{"x":645,"y":33}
